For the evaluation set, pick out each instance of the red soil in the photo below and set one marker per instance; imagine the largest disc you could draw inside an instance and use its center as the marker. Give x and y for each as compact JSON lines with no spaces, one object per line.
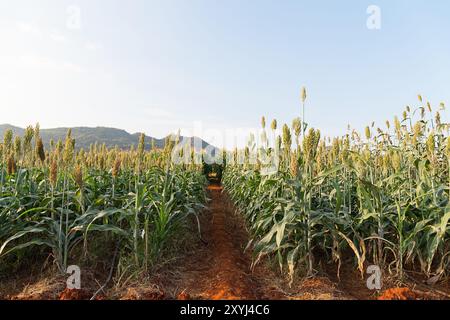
{"x":183,"y":296}
{"x":406,"y":294}
{"x":74,"y":294}
{"x":144,"y":294}
{"x":221,"y":270}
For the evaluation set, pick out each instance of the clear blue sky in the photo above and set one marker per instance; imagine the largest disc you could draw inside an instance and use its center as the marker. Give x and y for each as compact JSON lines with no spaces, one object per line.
{"x":156,"y":66}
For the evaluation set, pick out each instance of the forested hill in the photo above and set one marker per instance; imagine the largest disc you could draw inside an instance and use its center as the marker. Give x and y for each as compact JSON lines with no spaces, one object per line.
{"x":85,"y":136}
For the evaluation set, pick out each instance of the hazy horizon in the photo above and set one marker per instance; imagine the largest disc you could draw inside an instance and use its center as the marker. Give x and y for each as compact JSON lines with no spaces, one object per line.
{"x":95,"y":127}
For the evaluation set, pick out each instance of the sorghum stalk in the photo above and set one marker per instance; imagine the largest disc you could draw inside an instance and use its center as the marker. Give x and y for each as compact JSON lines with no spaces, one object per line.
{"x":448,"y":159}
{"x":53,"y":181}
{"x":303,"y":97}
{"x":115,"y":172}
{"x":78,"y":175}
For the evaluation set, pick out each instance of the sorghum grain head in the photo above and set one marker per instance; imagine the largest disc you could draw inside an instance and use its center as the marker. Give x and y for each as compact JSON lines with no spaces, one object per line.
{"x":273,"y":126}
{"x":11,"y":165}
{"x":116,"y":167}
{"x":303,"y":94}
{"x":78,"y":176}
{"x":40,"y":150}
{"x":368,"y":133}
{"x":297,"y":126}
{"x":431,"y":144}
{"x":53,"y":172}
{"x":294,"y":165}
{"x":287,"y":141}
{"x":438,"y":119}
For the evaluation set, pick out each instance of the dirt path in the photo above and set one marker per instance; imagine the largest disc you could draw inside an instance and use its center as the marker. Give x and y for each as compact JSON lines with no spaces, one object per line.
{"x":221,"y":270}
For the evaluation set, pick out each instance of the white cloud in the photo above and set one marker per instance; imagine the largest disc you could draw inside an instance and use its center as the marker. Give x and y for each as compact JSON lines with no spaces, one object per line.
{"x":39,"y":62}
{"x":29,"y":28}
{"x":38,"y":32}
{"x":92,"y":46}
{"x":57,"y":36}
{"x":159,"y":113}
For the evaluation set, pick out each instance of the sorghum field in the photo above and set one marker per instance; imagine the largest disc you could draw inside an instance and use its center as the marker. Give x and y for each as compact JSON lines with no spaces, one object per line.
{"x":141,"y":227}
{"x":381,"y":198}
{"x":55,"y":203}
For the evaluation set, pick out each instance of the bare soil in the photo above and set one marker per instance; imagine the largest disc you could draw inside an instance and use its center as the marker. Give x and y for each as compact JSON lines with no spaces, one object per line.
{"x":220,"y":268}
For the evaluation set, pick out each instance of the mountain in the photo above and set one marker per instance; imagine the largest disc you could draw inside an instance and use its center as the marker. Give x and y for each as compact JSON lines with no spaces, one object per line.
{"x":85,"y":136}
